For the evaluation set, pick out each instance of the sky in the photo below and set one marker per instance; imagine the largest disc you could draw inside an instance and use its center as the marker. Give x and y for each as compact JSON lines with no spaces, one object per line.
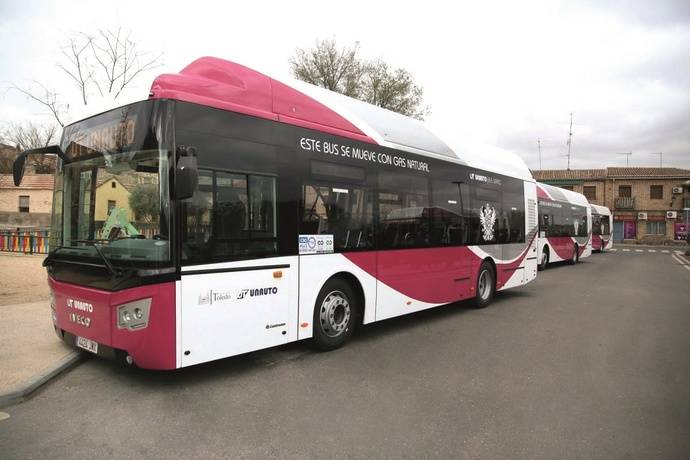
{"x":503,"y":73}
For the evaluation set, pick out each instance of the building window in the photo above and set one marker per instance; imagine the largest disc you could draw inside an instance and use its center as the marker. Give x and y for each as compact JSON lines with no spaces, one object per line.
{"x":656,"y":192}
{"x":590,"y":192}
{"x":111,"y":204}
{"x":656,"y":227}
{"x":24,"y":203}
{"x":112,"y":184}
{"x":625,"y":191}
{"x":566,"y":187}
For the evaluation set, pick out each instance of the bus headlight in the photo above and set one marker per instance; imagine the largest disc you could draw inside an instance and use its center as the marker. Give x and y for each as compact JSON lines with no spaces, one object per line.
{"x":134,"y":315}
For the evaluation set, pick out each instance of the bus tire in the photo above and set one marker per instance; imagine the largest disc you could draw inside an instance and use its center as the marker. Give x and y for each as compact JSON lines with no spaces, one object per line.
{"x":544,"y":259}
{"x":486,"y":285}
{"x":576,"y":256}
{"x":336,"y":314}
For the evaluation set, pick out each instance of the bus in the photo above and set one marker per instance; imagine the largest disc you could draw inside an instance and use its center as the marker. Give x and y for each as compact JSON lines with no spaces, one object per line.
{"x":565,"y":225}
{"x":602,"y":223}
{"x":231,"y":212}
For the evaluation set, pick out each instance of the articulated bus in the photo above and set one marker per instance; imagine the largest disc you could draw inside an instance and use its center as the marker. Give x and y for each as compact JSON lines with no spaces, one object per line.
{"x":602,"y":223}
{"x":232,"y":212}
{"x":565,"y":225}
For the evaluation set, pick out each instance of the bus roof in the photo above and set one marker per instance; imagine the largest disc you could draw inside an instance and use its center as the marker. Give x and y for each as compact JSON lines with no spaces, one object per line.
{"x":601,"y":210}
{"x":230,"y":86}
{"x":550,"y":192}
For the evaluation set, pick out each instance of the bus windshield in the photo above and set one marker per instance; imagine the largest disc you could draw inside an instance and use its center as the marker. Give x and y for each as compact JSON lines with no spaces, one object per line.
{"x":111,"y":200}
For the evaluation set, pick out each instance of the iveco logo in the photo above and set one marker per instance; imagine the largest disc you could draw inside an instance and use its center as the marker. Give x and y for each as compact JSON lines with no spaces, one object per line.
{"x":80,"y":319}
{"x":79,"y":305}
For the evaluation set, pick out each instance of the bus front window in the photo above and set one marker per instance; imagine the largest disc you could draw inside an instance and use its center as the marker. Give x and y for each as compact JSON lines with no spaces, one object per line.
{"x":118,"y":202}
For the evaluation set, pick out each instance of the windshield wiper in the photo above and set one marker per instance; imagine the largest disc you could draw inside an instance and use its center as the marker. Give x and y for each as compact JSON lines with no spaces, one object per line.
{"x":97,"y":247}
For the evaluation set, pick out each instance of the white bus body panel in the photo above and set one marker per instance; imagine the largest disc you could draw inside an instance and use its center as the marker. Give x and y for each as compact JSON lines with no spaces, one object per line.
{"x":233,"y":312}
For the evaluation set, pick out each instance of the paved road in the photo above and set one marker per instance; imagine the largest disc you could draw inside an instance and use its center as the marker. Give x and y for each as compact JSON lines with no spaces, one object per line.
{"x":588,"y":361}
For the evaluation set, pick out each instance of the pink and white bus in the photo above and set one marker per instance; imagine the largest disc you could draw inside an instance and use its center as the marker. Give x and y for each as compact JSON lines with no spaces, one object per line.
{"x":565,"y":225}
{"x":232,"y":212}
{"x":602,"y":223}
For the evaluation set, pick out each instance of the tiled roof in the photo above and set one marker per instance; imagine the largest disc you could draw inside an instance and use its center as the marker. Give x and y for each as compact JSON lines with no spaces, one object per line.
{"x":648,"y":172}
{"x":29,"y":182}
{"x":617,"y":172}
{"x":571,"y":174}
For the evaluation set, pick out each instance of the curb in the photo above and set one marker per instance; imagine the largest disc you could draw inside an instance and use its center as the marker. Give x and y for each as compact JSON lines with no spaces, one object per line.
{"x":23,"y":391}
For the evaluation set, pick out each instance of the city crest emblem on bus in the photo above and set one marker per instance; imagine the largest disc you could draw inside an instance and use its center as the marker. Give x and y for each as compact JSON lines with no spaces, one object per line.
{"x":487,"y":217}
{"x":576,"y":224}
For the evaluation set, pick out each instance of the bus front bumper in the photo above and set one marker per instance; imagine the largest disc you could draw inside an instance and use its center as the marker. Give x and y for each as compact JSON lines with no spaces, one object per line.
{"x":136,"y":325}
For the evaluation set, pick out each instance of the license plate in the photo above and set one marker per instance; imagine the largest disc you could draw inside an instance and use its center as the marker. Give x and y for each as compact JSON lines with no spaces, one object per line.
{"x":88,"y":345}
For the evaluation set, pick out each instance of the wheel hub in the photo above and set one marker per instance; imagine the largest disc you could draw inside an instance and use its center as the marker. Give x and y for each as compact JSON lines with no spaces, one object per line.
{"x":334,"y":314}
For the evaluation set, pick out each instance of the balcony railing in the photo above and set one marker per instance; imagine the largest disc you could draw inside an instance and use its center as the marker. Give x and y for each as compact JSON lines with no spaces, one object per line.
{"x":625,"y":202}
{"x":686,"y":203}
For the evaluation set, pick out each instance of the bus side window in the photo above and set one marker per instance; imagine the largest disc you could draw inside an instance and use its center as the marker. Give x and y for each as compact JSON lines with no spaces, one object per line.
{"x":230,"y":217}
{"x":545,"y":224}
{"x":342,"y":211}
{"x":449,"y":199}
{"x":404,"y":217}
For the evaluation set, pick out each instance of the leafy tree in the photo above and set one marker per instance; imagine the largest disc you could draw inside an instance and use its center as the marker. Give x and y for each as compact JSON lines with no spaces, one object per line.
{"x":393,"y":89}
{"x":145,"y":203}
{"x":340,"y":69}
{"x":330,"y":67}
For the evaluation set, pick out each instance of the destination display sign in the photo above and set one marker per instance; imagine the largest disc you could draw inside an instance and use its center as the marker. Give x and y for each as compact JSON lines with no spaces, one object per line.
{"x":116,"y":135}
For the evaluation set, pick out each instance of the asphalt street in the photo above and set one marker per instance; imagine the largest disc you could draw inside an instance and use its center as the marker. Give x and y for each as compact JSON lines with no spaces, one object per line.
{"x":590,"y":361}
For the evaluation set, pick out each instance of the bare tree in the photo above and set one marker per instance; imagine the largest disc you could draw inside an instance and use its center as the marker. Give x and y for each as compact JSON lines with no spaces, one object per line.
{"x":24,"y":136}
{"x":343,"y":71}
{"x":105,"y":64}
{"x":47,"y":98}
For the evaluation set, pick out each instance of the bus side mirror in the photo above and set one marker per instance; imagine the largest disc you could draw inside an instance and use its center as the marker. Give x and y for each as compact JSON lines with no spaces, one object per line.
{"x":20,"y":162}
{"x":186,"y":173}
{"x":18,"y":168}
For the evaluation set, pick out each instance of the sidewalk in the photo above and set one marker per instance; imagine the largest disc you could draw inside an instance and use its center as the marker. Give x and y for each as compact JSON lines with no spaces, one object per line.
{"x":30,"y":352}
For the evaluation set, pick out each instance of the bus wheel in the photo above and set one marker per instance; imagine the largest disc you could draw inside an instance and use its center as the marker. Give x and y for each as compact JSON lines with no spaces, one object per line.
{"x":544,"y":259}
{"x":486,"y":285}
{"x":335,"y":315}
{"x":576,"y":256}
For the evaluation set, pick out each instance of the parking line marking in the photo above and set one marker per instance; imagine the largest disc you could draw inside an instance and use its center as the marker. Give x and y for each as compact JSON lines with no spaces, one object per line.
{"x":682,"y":262}
{"x":626,"y":250}
{"x":651,"y":250}
{"x":665,"y":251}
{"x":639,"y":250}
{"x":678,"y":252}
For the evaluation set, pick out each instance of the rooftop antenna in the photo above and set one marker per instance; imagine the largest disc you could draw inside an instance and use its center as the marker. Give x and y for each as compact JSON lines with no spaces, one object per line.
{"x":627,"y":157}
{"x":661,"y":155}
{"x":539,"y":146}
{"x":570,"y":138}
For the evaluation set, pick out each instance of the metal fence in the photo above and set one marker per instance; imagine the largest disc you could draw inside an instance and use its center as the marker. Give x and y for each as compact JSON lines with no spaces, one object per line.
{"x":26,"y":241}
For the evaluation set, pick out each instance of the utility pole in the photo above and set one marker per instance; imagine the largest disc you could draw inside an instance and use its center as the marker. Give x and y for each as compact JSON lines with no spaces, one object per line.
{"x":570,"y":138}
{"x":627,"y":157}
{"x":661,"y":155}
{"x":539,"y":146}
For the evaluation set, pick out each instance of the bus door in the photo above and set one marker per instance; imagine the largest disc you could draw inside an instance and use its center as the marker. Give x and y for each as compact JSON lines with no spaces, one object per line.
{"x":235,"y":294}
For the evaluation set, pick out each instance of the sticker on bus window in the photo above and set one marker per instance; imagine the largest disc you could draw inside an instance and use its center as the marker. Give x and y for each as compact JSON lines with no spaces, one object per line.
{"x":315,"y":244}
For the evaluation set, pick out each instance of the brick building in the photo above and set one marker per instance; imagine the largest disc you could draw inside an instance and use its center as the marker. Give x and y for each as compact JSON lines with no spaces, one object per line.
{"x":649,"y":205}
{"x":29,"y":204}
